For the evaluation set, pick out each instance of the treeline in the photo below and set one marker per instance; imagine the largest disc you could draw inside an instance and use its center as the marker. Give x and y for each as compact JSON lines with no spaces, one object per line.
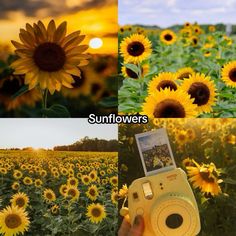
{"x":93,"y":145}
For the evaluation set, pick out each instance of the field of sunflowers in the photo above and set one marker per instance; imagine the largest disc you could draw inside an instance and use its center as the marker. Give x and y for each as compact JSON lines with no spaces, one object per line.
{"x":205,"y":149}
{"x":182,"y":72}
{"x":58,"y":193}
{"x":34,"y":84}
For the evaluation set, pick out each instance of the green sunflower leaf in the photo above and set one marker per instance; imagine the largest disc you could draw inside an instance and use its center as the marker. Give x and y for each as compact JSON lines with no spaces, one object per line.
{"x":56,"y":111}
{"x":133,"y":67}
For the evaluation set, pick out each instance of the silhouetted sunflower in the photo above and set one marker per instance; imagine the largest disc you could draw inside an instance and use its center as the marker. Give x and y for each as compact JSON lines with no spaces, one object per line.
{"x":48,"y":57}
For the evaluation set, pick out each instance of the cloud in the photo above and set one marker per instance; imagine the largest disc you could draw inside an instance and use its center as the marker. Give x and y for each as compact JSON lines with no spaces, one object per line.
{"x":169,"y":12}
{"x":38,"y":8}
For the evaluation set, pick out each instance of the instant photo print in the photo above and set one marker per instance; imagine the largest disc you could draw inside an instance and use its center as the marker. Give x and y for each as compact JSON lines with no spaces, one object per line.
{"x":155,"y":151}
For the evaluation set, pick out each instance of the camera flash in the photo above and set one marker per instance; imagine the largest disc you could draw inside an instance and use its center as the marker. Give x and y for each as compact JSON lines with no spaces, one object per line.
{"x":147,"y":190}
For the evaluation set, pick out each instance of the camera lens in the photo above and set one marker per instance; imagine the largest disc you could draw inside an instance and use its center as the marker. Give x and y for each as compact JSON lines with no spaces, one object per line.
{"x":174,"y":221}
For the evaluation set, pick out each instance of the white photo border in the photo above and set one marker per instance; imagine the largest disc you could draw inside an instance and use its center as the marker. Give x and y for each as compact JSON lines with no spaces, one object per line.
{"x":161,"y":132}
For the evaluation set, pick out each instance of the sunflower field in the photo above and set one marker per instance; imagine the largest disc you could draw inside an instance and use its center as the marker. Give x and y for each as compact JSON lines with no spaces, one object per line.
{"x":47,"y":73}
{"x":206,"y":150}
{"x":58,"y":193}
{"x":182,"y":72}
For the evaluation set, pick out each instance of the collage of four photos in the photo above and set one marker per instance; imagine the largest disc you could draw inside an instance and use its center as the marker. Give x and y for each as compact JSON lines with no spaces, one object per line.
{"x":159,"y":79}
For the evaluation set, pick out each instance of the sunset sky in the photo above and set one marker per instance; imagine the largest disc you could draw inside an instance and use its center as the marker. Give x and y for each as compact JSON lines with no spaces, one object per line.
{"x":169,"y":12}
{"x":47,"y":133}
{"x":95,"y":18}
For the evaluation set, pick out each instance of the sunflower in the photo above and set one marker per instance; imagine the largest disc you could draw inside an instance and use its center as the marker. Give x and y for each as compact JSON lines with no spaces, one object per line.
{"x":96,"y":213}
{"x":202,"y":90}
{"x":205,"y":177}
{"x":135,"y":48}
{"x":48,"y":57}
{"x":27,"y":181}
{"x":228,"y":74}
{"x":63,"y":189}
{"x":15,"y":186}
{"x":114,"y":197}
{"x":72,"y":193}
{"x":211,"y":28}
{"x":128,"y":73}
{"x":184,"y":73}
{"x":73,"y":181}
{"x":3,"y":171}
{"x":188,"y":162}
{"x":92,"y":192}
{"x":114,"y":181}
{"x":17,"y":174}
{"x":187,"y":24}
{"x":169,"y":104}
{"x":38,"y":183}
{"x":168,"y":37}
{"x":13,"y":221}
{"x":55,"y":209}
{"x":181,"y":137}
{"x":93,"y":175}
{"x":194,"y":40}
{"x":86,"y":179}
{"x":49,"y":195}
{"x":12,"y":84}
{"x":20,"y":200}
{"x":162,"y":81}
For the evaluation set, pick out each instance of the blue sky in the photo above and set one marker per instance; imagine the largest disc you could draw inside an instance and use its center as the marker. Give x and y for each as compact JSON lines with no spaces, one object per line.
{"x":168,"y":12}
{"x":47,"y":133}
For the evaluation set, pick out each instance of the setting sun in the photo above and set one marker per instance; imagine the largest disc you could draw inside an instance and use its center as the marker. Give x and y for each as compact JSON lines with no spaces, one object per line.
{"x":95,"y":43}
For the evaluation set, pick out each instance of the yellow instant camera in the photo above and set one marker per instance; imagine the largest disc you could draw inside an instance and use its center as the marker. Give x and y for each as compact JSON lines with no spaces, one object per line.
{"x":167,"y":204}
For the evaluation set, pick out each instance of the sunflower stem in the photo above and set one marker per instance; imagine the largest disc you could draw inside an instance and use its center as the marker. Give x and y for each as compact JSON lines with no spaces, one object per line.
{"x":44,"y":99}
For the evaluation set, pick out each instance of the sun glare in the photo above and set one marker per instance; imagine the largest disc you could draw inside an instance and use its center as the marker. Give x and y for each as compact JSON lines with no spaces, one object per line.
{"x":95,"y":43}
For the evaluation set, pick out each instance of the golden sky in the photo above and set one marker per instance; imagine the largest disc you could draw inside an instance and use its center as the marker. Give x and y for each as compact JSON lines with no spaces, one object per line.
{"x":98,"y":22}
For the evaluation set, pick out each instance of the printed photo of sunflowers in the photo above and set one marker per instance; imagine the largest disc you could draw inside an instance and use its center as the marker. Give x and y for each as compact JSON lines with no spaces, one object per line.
{"x":57,"y":184}
{"x":177,"y":67}
{"x":58,"y":59}
{"x":205,"y":150}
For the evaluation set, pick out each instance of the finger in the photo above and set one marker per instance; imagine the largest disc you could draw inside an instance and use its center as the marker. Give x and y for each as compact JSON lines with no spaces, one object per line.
{"x":138,"y":227}
{"x":125,"y":228}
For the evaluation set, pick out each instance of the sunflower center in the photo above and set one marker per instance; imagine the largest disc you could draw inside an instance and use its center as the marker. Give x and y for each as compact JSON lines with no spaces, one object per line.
{"x":86,"y":180}
{"x":79,"y":81}
{"x":184,"y":76}
{"x":92,"y":192}
{"x":72,"y":192}
{"x":169,"y":108}
{"x":20,"y":202}
{"x":232,"y":74}
{"x":166,"y":84}
{"x":49,"y":196}
{"x":13,"y":221}
{"x":135,"y":49}
{"x":72,"y":182}
{"x":95,"y":88}
{"x":10,"y":87}
{"x":200,"y":92}
{"x":168,"y":37}
{"x":206,"y":177}
{"x":96,"y":212}
{"x":49,"y":57}
{"x":181,"y":137}
{"x":194,"y":41}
